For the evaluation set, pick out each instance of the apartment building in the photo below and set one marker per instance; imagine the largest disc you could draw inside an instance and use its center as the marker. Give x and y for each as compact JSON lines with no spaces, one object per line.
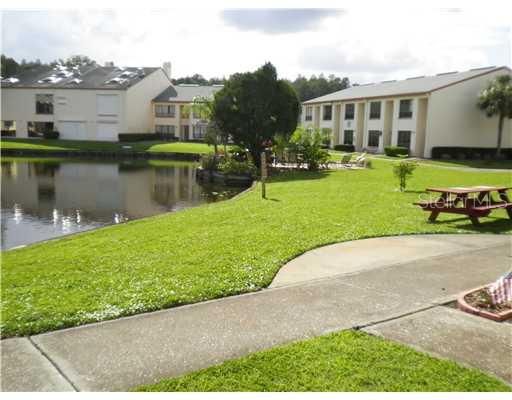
{"x":418,"y":113}
{"x":81,"y":103}
{"x":172,"y":113}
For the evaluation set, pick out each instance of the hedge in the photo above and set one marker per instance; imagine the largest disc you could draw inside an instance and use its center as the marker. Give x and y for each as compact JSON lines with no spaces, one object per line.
{"x":138,"y":137}
{"x":345,"y":147}
{"x":7,"y":133}
{"x":51,"y":135}
{"x":469,"y":153}
{"x":396,"y":151}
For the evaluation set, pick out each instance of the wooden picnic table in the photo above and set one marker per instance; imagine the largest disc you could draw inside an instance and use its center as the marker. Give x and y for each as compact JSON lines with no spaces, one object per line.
{"x":475,"y":201}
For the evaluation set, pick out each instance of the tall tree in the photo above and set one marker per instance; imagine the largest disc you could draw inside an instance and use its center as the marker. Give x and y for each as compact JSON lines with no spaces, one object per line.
{"x":318,"y":86}
{"x":9,"y":66}
{"x":496,"y":100}
{"x":255,"y":106}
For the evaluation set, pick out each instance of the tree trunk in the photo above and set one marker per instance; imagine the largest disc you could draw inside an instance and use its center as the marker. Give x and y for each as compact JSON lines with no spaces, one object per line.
{"x":500,"y":134}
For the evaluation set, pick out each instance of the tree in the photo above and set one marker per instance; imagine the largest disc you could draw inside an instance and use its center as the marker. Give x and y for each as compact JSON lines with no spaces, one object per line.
{"x":318,"y":86}
{"x":9,"y":66}
{"x":253,"y":107}
{"x":496,"y":100}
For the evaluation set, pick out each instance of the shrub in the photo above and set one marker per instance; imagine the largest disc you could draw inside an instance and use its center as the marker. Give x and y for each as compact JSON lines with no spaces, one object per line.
{"x":51,"y":135}
{"x":210,"y":162}
{"x":139,"y":137}
{"x":396,"y":151}
{"x":308,"y":142}
{"x":456,"y":152}
{"x":234,"y":167}
{"x":349,"y":148}
{"x":403,"y":170}
{"x":7,"y":133}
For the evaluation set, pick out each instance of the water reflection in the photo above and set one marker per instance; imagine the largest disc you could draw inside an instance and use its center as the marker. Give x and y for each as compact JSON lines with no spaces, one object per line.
{"x":46,"y":199}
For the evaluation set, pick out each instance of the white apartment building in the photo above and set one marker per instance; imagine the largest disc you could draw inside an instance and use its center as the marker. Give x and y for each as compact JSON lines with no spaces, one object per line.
{"x":418,"y":113}
{"x":172,"y":114}
{"x":81,"y":103}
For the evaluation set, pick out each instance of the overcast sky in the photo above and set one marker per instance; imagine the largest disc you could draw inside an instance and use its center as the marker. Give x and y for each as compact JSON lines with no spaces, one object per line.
{"x":365,"y":46}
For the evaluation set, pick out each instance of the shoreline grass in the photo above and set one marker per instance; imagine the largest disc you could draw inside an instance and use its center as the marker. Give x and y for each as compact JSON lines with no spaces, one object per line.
{"x":219,"y":249}
{"x":345,"y":361}
{"x":87,"y":145}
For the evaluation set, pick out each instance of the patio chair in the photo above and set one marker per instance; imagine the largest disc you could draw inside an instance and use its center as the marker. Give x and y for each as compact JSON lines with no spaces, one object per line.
{"x":360,"y":161}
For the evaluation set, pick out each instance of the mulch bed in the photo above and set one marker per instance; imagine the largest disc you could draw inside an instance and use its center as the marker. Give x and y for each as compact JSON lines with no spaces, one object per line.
{"x":482,"y":300}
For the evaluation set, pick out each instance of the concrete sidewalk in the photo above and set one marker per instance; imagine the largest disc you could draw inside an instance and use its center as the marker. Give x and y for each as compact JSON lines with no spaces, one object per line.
{"x":121,"y":354}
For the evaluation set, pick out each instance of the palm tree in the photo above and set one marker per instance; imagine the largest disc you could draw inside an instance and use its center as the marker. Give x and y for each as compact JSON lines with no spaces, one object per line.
{"x":496,"y":99}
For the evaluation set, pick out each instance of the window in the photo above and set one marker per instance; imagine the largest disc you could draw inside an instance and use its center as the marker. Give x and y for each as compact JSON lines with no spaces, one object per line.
{"x":404,"y":139}
{"x":184,"y":112}
{"x":8,"y":128}
{"x":185,"y":132}
{"x":349,"y":111}
{"x":38,"y":129}
{"x":327,"y":113}
{"x":309,"y":114}
{"x":107,"y":104}
{"x":44,"y":103}
{"x":373,"y":138}
{"x":165,"y":129}
{"x":348,"y":137}
{"x":165,"y":110}
{"x":405,"y":110}
{"x":198,"y":131}
{"x":375,"y":110}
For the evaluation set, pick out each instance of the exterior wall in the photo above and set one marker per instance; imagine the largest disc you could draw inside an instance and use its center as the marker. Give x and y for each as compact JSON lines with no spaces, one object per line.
{"x":453,"y":118}
{"x":139,"y":110}
{"x":69,"y":105}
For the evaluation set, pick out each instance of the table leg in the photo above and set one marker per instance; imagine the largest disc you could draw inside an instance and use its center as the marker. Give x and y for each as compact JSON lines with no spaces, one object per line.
{"x":435,"y":213}
{"x":504,"y":197}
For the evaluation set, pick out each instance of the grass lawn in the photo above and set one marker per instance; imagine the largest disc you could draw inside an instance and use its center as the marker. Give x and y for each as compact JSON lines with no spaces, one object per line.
{"x":346,"y":361}
{"x":77,"y":145}
{"x":219,"y":249}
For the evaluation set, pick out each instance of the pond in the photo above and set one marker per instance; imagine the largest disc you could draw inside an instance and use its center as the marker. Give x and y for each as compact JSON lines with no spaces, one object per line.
{"x":47,"y":198}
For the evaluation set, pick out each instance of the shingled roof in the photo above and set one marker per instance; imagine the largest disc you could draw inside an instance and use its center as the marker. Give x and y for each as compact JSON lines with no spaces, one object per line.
{"x":410,"y":86}
{"x":186,"y":93}
{"x":83,"y":77}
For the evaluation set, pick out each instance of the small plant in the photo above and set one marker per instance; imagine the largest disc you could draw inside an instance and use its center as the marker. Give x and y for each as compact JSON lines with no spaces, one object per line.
{"x":403,"y":170}
{"x":234,"y":167}
{"x":51,"y":135}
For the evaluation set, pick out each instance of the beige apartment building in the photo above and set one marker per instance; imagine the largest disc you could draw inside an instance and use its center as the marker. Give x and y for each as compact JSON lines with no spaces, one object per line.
{"x":418,"y":113}
{"x":81,"y":103}
{"x":172,"y":114}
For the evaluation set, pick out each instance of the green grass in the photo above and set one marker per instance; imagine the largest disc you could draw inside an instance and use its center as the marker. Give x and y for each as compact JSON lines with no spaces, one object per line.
{"x":484,"y":164}
{"x":219,"y":249}
{"x":346,"y":361}
{"x":81,"y":145}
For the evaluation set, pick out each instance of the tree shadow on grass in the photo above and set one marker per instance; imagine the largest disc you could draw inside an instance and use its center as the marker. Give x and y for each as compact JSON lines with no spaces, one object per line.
{"x":496,"y":225}
{"x":297,"y":175}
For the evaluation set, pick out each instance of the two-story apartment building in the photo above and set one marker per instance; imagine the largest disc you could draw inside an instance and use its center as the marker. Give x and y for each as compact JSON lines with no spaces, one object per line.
{"x":173,"y":115}
{"x":418,"y":113}
{"x":82,"y":103}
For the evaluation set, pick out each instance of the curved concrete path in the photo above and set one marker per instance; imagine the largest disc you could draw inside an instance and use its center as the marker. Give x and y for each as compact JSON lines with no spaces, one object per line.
{"x":360,"y":255}
{"x":394,"y":287}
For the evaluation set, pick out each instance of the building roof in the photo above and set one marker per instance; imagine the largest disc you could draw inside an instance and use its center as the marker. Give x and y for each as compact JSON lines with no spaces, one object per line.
{"x":186,"y":93}
{"x":83,"y":77}
{"x":414,"y":85}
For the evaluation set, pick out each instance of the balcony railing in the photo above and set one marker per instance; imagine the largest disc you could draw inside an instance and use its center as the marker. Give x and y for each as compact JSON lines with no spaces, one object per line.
{"x":405,"y":114}
{"x":164,"y":115}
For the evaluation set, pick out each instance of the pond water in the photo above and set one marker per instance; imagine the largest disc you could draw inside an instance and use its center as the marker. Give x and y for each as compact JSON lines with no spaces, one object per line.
{"x":43,"y":199}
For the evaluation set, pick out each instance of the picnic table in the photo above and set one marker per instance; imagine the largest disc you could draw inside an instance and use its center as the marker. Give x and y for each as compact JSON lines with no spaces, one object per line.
{"x":475,"y":201}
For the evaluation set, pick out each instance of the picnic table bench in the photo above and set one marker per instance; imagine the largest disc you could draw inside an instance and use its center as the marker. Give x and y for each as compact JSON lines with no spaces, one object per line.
{"x":475,"y":202}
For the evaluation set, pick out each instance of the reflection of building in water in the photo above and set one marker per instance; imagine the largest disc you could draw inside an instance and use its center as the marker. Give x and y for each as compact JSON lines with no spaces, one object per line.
{"x":103,"y":192}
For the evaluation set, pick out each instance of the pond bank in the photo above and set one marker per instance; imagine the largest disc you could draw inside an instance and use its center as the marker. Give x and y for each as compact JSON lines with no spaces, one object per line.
{"x":123,"y":154}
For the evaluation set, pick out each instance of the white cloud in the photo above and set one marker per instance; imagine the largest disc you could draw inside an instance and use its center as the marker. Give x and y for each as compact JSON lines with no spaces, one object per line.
{"x":366,"y":46}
